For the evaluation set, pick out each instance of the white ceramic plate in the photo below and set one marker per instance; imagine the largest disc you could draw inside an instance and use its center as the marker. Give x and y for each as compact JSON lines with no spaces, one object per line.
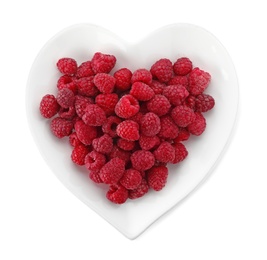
{"x":173,"y":41}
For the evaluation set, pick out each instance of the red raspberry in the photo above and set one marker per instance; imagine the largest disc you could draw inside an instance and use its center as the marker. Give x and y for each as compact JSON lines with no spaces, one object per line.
{"x":142,"y":91}
{"x":137,"y":117}
{"x":107,"y":102}
{"x":140,"y":191}
{"x":142,"y":75}
{"x":94,"y":176}
{"x":183,"y":135}
{"x":131,"y":179}
{"x":159,"y":105}
{"x":65,"y":98}
{"x":61,"y":127}
{"x":110,"y":126}
{"x":86,"y":87}
{"x":148,"y":142}
{"x":204,"y":103}
{"x":157,"y":86}
{"x":176,"y":94}
{"x":183,"y":115}
{"x":150,"y":124}
{"x":180,"y":153}
{"x":94,"y":161}
{"x":179,"y":80}
{"x":67,"y":113}
{"x":103,"y":63}
{"x":168,"y":129}
{"x":103,"y":144}
{"x":78,"y":154}
{"x":67,"y":66}
{"x":85,"y":70}
{"x":182,"y":66}
{"x":119,"y":153}
{"x":142,"y":160}
{"x":157,"y":177}
{"x":162,"y":70}
{"x":125,"y":144}
{"x":190,"y":101}
{"x":128,"y":130}
{"x":94,"y":115}
{"x":85,"y":133}
{"x":74,"y":140}
{"x":117,"y":194}
{"x":165,"y":152}
{"x":66,"y":81}
{"x":112,"y":171}
{"x":81,"y":103}
{"x":198,"y":126}
{"x":48,"y":106}
{"x":104,"y":82}
{"x":123,"y":79}
{"x":198,"y":81}
{"x":127,"y":106}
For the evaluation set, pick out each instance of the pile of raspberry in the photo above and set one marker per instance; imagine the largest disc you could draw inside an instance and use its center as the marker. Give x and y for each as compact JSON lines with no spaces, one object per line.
{"x":126,"y":126}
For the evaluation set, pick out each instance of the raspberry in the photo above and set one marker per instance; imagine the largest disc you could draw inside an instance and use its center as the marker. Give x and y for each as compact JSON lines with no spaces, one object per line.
{"x":78,"y":154}
{"x":183,"y":135}
{"x":73,"y":139}
{"x":176,"y":94}
{"x":117,"y":194}
{"x":67,"y":66}
{"x":94,"y":161}
{"x":66,"y":81}
{"x":127,"y":106}
{"x":137,"y":117}
{"x":123,"y":79}
{"x":85,"y":133}
{"x":94,"y":176}
{"x":190,"y":101}
{"x":198,"y":126}
{"x":157,"y":177}
{"x":48,"y":106}
{"x":165,"y":152}
{"x":180,"y":153}
{"x":182,"y":66}
{"x":162,"y":70}
{"x":110,"y":126}
{"x":198,"y":81}
{"x":103,"y":144}
{"x":112,"y":171}
{"x":94,"y":115}
{"x":159,"y":105}
{"x":150,"y":124}
{"x":128,"y":130}
{"x":142,"y":91}
{"x":183,"y":115}
{"x":67,"y":113}
{"x":61,"y":127}
{"x":168,"y":129}
{"x":204,"y":103}
{"x":142,"y":75}
{"x":102,"y":63}
{"x":179,"y":80}
{"x":104,"y":82}
{"x":157,"y":86}
{"x":148,"y":142}
{"x":65,"y":98}
{"x":142,"y":160}
{"x":85,"y":70}
{"x":125,"y":144}
{"x":140,"y":191}
{"x":131,"y":179}
{"x":107,"y":102}
{"x":119,"y":153}
{"x":81,"y":103}
{"x":86,"y":87}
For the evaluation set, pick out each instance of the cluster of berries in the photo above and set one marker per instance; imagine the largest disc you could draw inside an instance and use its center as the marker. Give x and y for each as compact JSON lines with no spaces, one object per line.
{"x":125,"y":127}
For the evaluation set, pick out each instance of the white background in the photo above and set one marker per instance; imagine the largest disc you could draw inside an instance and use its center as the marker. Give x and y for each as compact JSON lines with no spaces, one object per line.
{"x":225,"y":218}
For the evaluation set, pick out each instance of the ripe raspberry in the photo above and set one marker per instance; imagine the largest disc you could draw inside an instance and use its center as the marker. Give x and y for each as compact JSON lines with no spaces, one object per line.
{"x":123,"y":79}
{"x":94,"y":115}
{"x":168,"y":129}
{"x":140,"y":191}
{"x":142,"y":75}
{"x":165,"y":152}
{"x":78,"y":154}
{"x":159,"y":105}
{"x":157,"y":177}
{"x":85,"y":133}
{"x":66,"y":81}
{"x":48,"y":106}
{"x":157,"y":86}
{"x":142,"y":160}
{"x":81,"y":103}
{"x":67,"y":66}
{"x":85,"y":70}
{"x":183,"y":135}
{"x":127,"y":106}
{"x":150,"y":124}
{"x":125,"y":144}
{"x":148,"y":142}
{"x":183,"y":115}
{"x":176,"y":94}
{"x":128,"y":130}
{"x":67,"y":113}
{"x":102,"y":63}
{"x":198,"y":126}
{"x":94,"y":176}
{"x":94,"y":161}
{"x":107,"y":102}
{"x":179,"y":80}
{"x":198,"y":81}
{"x":86,"y":86}
{"x":117,"y":194}
{"x":73,"y":139}
{"x":119,"y":153}
{"x":104,"y":82}
{"x":61,"y":127}
{"x":110,"y":126}
{"x":137,"y":117}
{"x":112,"y":171}
{"x":131,"y":179}
{"x":162,"y":70}
{"x":103,"y":144}
{"x":180,"y":153}
{"x":142,"y":91}
{"x":182,"y":66}
{"x":190,"y":101}
{"x":204,"y":103}
{"x":65,"y":98}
